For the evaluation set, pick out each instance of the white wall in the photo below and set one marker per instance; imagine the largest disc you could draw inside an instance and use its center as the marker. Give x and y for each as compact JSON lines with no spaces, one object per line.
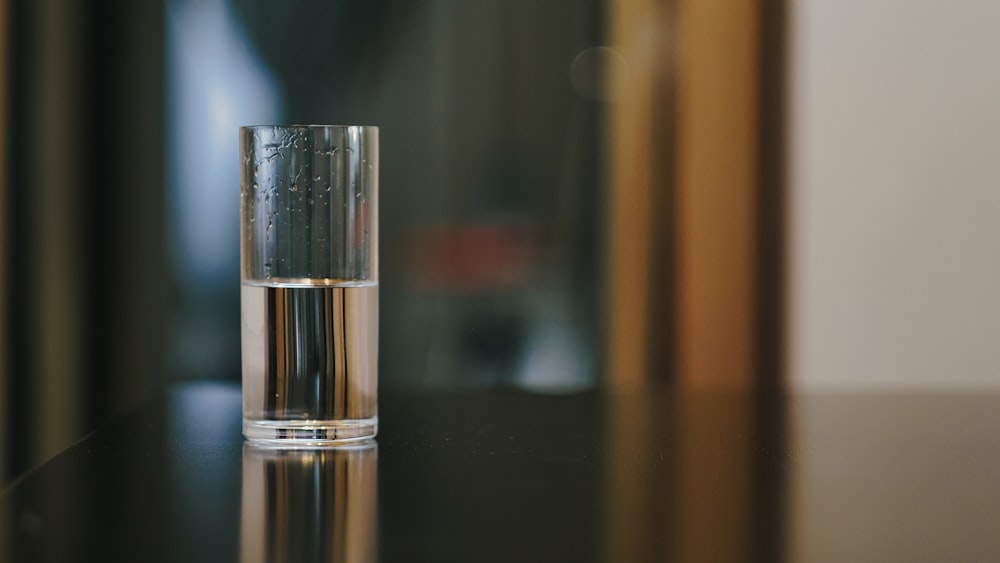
{"x":895,"y":193}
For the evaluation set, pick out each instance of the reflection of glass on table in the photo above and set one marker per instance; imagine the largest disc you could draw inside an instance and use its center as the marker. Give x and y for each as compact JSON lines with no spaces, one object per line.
{"x":309,"y":504}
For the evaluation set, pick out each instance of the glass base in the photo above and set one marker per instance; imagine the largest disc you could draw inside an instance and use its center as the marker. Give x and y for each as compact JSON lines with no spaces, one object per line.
{"x":309,"y":433}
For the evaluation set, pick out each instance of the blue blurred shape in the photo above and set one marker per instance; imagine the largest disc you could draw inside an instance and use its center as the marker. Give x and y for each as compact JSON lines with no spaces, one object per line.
{"x":216,"y":84}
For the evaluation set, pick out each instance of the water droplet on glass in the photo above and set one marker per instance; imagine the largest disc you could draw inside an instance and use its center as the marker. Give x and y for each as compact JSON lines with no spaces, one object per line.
{"x":357,"y":195}
{"x":318,"y":178}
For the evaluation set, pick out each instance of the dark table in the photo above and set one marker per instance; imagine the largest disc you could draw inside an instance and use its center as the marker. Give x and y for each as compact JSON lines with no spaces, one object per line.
{"x":508,"y":476}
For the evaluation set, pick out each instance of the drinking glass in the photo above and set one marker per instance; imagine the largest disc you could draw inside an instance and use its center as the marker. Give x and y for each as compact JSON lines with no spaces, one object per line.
{"x":309,"y":296}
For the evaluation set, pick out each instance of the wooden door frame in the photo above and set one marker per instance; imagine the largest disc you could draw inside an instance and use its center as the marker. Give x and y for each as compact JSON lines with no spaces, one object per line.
{"x":695,"y":261}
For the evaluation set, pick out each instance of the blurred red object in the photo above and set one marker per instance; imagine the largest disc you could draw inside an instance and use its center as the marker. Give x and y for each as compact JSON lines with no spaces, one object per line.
{"x":473,"y":259}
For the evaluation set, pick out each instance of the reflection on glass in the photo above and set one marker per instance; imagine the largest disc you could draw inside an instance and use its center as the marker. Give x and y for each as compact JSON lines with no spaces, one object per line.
{"x":309,"y":504}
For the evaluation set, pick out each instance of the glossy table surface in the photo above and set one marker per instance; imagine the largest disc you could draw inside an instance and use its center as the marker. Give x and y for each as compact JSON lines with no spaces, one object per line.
{"x":510,"y":476}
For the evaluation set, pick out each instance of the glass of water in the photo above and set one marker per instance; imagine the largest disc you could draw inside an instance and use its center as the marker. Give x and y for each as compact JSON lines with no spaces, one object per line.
{"x":309,"y":264}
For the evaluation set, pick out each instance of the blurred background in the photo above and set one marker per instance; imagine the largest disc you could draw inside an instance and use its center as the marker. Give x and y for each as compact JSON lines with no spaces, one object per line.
{"x":121,"y":179}
{"x":576,"y":195}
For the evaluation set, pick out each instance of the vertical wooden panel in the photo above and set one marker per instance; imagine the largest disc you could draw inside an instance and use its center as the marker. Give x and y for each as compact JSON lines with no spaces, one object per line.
{"x":57,"y":226}
{"x":716,"y":190}
{"x":82,"y":211}
{"x":717,"y":213}
{"x":689,"y":229}
{"x":771,"y":212}
{"x":4,"y":173}
{"x":638,"y":34}
{"x":126,"y":361}
{"x":718,"y":258}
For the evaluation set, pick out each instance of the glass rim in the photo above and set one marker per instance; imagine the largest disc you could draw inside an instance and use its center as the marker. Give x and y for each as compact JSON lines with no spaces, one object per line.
{"x":307,"y":126}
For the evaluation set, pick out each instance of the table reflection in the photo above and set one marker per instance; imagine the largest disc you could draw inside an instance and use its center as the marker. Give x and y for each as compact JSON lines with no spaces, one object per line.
{"x":309,"y":504}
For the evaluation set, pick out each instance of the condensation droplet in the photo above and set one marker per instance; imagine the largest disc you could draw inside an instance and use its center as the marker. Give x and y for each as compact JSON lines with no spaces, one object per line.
{"x":318,"y":178}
